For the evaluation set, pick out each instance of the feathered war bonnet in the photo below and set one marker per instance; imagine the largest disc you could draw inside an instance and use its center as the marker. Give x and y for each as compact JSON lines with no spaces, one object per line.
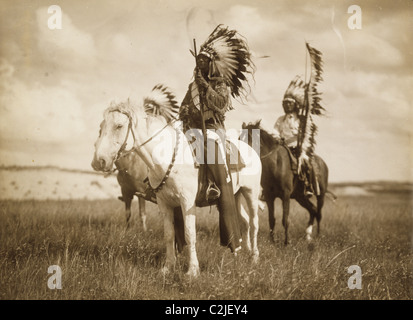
{"x":296,"y":91}
{"x":161,"y":102}
{"x":230,"y":59}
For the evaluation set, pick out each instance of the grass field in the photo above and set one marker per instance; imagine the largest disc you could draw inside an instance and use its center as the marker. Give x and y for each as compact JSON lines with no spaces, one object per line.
{"x":100,"y":259}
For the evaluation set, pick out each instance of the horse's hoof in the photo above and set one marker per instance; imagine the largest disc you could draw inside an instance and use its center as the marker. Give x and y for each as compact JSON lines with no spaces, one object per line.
{"x":165,"y":271}
{"x":192,"y":273}
{"x":311,"y":246}
{"x":236,"y":250}
{"x":272,"y":237}
{"x":255,"y":258}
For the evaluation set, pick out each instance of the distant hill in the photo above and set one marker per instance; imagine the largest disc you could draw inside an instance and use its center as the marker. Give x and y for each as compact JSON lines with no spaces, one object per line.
{"x":51,"y":182}
{"x":55,"y":183}
{"x":369,"y":188}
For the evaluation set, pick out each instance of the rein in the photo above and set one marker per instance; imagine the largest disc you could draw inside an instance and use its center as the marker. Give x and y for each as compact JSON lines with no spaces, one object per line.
{"x":121,"y":152}
{"x":268,"y":154}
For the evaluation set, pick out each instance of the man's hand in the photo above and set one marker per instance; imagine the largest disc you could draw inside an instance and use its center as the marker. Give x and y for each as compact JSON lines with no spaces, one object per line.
{"x":200,"y":81}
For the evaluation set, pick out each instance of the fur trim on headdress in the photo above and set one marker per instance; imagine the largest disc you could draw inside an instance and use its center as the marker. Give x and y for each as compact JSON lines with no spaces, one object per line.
{"x":230,"y":58}
{"x":161,"y":102}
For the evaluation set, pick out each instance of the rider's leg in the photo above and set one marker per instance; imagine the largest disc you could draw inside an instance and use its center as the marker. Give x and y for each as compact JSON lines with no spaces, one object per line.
{"x":228,"y":216}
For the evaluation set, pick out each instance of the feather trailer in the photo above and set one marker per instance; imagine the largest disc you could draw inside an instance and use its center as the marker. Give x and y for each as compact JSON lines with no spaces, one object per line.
{"x":161,"y":102}
{"x":312,"y":104}
{"x":230,"y":58}
{"x":314,"y":97}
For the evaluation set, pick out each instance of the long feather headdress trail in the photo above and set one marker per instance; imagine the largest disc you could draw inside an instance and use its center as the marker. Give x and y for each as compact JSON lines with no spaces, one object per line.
{"x":161,"y":102}
{"x":312,"y":103}
{"x":314,"y":97}
{"x":230,"y":58}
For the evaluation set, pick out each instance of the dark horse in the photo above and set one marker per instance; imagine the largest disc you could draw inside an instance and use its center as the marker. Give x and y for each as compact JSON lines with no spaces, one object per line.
{"x":279,"y":181}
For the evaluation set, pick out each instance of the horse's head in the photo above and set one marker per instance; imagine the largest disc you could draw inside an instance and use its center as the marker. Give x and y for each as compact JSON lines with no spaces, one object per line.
{"x":115,"y":130}
{"x":247,"y":131}
{"x":267,"y":140}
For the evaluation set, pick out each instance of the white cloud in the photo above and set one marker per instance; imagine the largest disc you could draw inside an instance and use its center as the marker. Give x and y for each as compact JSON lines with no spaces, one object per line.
{"x":127,"y":50}
{"x":371,"y":52}
{"x":36,"y":112}
{"x":68,"y":46}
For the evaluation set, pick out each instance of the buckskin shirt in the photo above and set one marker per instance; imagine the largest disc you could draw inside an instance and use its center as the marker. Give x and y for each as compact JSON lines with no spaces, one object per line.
{"x":286,"y":127}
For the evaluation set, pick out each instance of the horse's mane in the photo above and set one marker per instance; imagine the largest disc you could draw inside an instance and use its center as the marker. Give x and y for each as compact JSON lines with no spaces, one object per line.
{"x":126,"y":107}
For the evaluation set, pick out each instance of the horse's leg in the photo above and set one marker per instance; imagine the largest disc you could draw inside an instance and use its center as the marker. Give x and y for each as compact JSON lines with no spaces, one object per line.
{"x":322,"y":183}
{"x":286,"y":212}
{"x":271,"y":214}
{"x":127,"y":195}
{"x":142,"y":212}
{"x":190,"y":238}
{"x":320,"y":204}
{"x":169,"y":235}
{"x":306,"y":203}
{"x":243,"y":222}
{"x":252,"y":203}
{"x":127,"y":199}
{"x":269,"y":199}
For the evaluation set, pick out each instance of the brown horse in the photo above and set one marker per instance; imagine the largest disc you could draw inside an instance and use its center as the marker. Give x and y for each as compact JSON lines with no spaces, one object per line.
{"x":131,"y":173}
{"x":279,"y":181}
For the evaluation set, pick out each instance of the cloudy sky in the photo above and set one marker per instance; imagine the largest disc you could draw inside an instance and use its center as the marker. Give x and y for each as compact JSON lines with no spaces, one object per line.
{"x":56,"y":83}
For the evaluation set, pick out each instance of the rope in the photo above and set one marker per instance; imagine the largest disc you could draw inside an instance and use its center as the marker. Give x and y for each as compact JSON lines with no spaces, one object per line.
{"x":168,"y":171}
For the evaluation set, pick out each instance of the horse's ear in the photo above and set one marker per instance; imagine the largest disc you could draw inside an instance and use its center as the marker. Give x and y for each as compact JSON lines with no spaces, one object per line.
{"x":243,"y":125}
{"x":258,"y":123}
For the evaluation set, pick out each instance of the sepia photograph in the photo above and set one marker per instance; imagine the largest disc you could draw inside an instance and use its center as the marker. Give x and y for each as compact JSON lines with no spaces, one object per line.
{"x":206,"y":154}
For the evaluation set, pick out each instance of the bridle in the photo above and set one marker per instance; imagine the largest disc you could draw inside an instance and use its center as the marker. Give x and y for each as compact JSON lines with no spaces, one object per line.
{"x":268,"y":153}
{"x":122,"y":153}
{"x":125,"y":142}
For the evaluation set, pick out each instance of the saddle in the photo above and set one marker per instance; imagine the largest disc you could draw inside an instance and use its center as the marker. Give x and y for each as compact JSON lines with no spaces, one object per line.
{"x":293,"y":158}
{"x":208,"y":192}
{"x":234,"y":159}
{"x":312,"y":169}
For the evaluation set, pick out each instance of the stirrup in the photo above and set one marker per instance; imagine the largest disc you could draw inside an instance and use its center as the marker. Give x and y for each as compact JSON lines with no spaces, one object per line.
{"x":212,"y":192}
{"x":309,"y":194}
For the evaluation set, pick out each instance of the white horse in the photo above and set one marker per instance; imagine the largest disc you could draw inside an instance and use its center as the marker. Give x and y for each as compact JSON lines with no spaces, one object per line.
{"x":172,"y":173}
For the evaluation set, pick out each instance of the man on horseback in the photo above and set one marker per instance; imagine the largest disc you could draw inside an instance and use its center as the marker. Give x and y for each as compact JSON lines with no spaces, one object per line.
{"x":220,"y":68}
{"x":287,"y":129}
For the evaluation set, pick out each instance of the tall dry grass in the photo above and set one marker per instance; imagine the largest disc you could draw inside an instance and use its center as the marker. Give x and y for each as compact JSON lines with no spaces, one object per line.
{"x":100,"y":259}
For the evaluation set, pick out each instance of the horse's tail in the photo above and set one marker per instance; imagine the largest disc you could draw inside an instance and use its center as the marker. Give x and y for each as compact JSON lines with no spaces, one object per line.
{"x":332,"y":195}
{"x":179,"y":229}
